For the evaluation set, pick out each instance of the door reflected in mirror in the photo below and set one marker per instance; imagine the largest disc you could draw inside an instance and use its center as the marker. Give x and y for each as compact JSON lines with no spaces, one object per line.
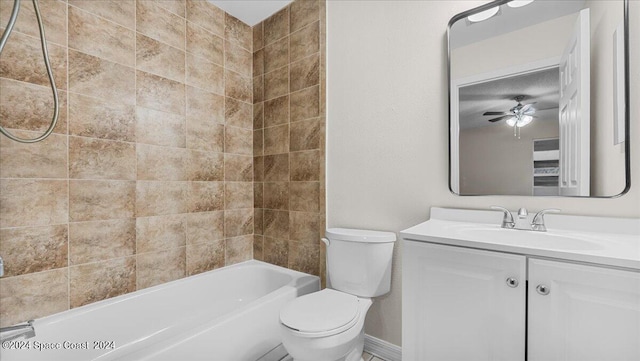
{"x":537,"y":99}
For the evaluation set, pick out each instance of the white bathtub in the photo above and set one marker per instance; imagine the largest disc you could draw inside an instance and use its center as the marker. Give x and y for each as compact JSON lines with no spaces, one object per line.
{"x":231,"y":313}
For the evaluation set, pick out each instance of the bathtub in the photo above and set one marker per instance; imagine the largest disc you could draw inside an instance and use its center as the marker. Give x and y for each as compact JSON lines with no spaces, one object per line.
{"x":231,"y":313}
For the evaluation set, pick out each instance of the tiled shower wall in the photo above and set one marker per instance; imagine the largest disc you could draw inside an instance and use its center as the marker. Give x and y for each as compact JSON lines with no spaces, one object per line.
{"x":288,"y":144}
{"x":149,"y":176}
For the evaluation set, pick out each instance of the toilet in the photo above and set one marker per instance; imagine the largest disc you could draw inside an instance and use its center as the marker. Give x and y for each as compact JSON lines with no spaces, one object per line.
{"x":329,"y":325}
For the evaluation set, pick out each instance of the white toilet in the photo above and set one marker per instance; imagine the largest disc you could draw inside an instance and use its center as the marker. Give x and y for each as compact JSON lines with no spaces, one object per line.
{"x":329,"y":325}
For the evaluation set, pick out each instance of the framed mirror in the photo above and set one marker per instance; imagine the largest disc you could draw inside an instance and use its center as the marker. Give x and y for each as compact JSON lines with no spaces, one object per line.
{"x":539,"y":99}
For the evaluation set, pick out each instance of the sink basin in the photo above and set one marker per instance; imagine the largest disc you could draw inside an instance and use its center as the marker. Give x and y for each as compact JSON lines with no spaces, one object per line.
{"x":531,"y":239}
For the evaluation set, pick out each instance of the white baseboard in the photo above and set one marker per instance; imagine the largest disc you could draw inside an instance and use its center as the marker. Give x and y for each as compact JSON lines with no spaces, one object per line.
{"x":382,"y":349}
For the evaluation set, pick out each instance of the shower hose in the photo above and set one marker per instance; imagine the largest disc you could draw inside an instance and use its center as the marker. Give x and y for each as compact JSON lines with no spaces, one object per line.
{"x":45,"y":54}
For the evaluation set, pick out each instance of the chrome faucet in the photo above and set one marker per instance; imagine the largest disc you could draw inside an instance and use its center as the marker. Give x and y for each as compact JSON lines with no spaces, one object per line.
{"x":537,"y":224}
{"x":10,"y":333}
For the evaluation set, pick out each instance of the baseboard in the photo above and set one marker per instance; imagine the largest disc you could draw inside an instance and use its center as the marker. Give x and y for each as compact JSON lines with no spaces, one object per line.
{"x":382,"y":349}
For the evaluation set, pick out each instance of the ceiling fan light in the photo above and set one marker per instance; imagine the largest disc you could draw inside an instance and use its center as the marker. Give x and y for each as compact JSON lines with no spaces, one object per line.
{"x":483,"y":15}
{"x":511,"y":121}
{"x":524,"y":120}
{"x":518,"y":3}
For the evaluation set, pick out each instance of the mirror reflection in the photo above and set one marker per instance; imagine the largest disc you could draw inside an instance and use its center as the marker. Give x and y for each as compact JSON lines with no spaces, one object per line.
{"x":537,"y":99}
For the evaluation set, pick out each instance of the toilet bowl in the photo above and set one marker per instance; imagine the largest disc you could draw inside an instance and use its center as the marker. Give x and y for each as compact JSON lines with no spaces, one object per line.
{"x":329,"y":325}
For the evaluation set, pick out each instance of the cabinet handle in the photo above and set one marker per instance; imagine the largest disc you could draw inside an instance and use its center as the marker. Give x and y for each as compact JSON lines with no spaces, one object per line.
{"x":542,"y":289}
{"x":512,"y":282}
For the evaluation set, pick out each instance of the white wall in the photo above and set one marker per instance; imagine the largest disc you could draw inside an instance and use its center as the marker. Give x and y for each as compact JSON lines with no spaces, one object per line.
{"x":387,"y":148}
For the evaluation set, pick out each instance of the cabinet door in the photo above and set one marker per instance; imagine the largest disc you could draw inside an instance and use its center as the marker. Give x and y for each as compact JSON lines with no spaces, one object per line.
{"x":457,"y":304}
{"x":589,"y":313}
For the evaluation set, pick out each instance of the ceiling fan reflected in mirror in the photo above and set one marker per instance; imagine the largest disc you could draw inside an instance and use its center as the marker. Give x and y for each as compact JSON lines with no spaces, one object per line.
{"x":518,"y":116}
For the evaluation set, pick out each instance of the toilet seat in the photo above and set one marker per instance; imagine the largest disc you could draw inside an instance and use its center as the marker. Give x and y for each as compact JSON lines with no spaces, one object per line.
{"x":320,"y":314}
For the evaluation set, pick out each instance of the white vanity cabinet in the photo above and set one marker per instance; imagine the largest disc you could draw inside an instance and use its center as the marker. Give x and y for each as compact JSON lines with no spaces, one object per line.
{"x":462,"y":304}
{"x":580,"y":312}
{"x":470,"y":305}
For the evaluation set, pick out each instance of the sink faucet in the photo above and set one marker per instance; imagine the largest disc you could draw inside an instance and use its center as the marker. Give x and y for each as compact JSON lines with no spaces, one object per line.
{"x":26,"y":330}
{"x":537,"y":224}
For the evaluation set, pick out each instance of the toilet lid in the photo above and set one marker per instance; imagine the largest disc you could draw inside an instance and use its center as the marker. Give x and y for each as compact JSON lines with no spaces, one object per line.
{"x":321,"y":311}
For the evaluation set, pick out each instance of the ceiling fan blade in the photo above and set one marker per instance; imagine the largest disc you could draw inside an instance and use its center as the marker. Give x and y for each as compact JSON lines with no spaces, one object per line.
{"x":497,"y":113}
{"x":500,"y":118}
{"x":552,"y":108}
{"x":526,"y":108}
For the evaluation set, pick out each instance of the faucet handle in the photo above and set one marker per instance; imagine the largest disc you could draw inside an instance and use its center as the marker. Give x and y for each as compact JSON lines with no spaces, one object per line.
{"x":522,"y":213}
{"x":537,"y":224}
{"x":507,"y":219}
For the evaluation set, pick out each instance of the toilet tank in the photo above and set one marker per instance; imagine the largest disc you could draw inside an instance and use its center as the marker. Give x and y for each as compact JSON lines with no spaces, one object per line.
{"x":359,"y":261}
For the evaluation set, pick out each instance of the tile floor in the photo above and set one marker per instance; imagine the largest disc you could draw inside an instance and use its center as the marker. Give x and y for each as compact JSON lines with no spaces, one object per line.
{"x":369,"y":357}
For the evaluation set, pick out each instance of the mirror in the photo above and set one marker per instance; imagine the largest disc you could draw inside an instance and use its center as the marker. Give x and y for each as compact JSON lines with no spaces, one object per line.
{"x":538,"y":96}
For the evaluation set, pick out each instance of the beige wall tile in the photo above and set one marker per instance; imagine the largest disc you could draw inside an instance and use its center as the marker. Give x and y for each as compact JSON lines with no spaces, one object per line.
{"x":304,"y":226}
{"x":31,"y":202}
{"x":305,"y":135}
{"x":276,"y":224}
{"x":205,"y":196}
{"x":305,"y":166}
{"x":205,"y":75}
{"x":276,"y":195}
{"x":204,"y":257}
{"x":94,"y":282}
{"x":258,"y":37}
{"x":238,"y":59}
{"x":258,"y":89}
{"x":160,"y":267}
{"x":276,"y":251}
{"x":102,"y":79}
{"x":238,"y":113}
{"x":161,"y":163}
{"x":96,"y":36}
{"x":238,"y":222}
{"x":258,"y":195}
{"x":238,"y":140}
{"x":303,"y":12}
{"x":258,"y":248}
{"x":304,"y":196}
{"x":160,"y":233}
{"x":177,"y":7}
{"x":91,"y":158}
{"x":276,"y":26}
{"x":157,"y":198}
{"x":205,"y":227}
{"x":95,"y":118}
{"x":204,"y":134}
{"x":276,"y":83}
{"x":206,"y":15}
{"x":45,"y":159}
{"x":205,"y":44}
{"x":238,"y":32}
{"x":30,"y":107}
{"x":238,"y":195}
{"x":258,"y":221}
{"x":276,"y":55}
{"x":98,"y":200}
{"x":238,"y":86}
{"x":101,"y":240}
{"x":238,"y":168}
{"x":48,"y":290}
{"x":305,"y":42}
{"x":305,"y":104}
{"x":276,"y":111}
{"x":258,"y":63}
{"x":160,"y":24}
{"x":258,"y":115}
{"x":205,"y":105}
{"x":205,"y":166}
{"x":305,"y":73}
{"x":238,"y":249}
{"x":158,"y":58}
{"x":160,"y":128}
{"x":276,"y":168}
{"x":258,"y":142}
{"x":258,"y":169}
{"x":276,"y":139}
{"x":33,"y":249}
{"x":55,"y":20}
{"x":305,"y":256}
{"x":160,"y":93}
{"x":22,"y":60}
{"x":122,"y":12}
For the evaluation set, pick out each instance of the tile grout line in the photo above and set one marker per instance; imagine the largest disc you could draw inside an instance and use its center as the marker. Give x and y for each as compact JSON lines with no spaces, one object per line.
{"x":68,"y":166}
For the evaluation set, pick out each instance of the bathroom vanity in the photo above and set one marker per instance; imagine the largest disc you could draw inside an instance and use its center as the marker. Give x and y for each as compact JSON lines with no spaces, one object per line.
{"x":475,"y":291}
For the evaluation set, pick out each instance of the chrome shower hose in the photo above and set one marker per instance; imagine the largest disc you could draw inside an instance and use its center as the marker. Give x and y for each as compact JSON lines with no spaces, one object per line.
{"x":45,"y":54}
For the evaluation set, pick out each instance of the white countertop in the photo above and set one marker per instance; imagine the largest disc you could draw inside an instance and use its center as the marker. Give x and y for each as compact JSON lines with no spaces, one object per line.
{"x":600,"y":240}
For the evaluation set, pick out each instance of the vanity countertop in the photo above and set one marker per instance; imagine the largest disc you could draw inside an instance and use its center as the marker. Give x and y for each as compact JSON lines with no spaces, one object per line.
{"x":600,"y":240}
